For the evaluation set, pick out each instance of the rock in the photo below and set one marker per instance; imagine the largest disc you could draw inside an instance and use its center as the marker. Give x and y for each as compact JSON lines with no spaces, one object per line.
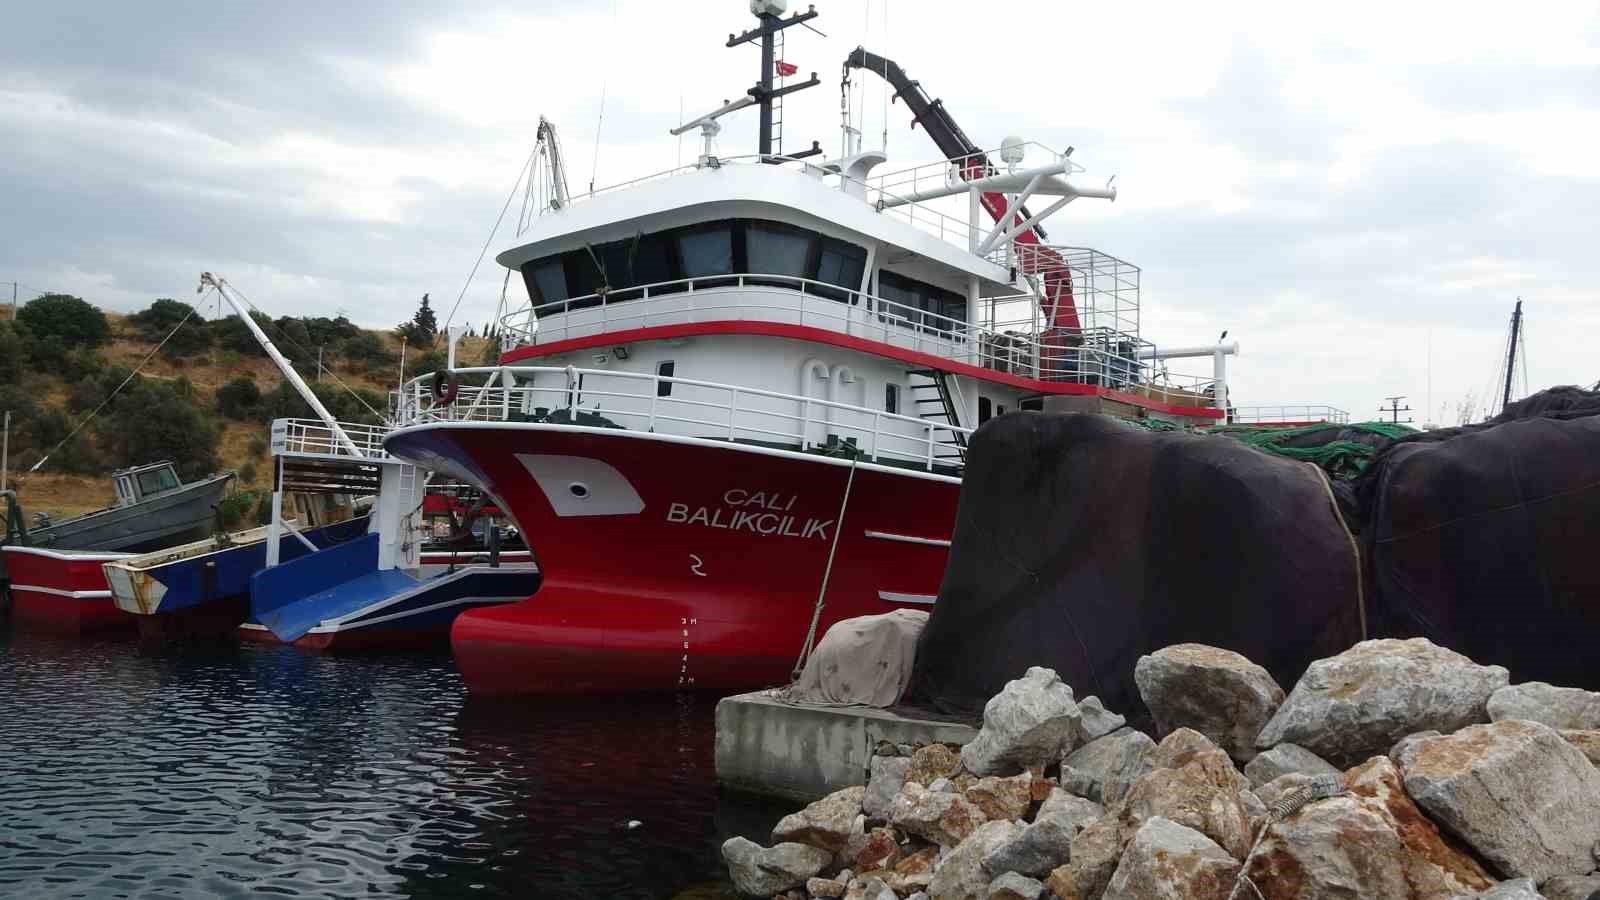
{"x":1587,"y":742}
{"x":1519,"y":794}
{"x":824,"y":887}
{"x":1254,"y":809}
{"x":869,"y":889}
{"x":1203,"y":793}
{"x":960,"y":876}
{"x":1076,"y":812}
{"x":1095,"y":853}
{"x":825,"y":823}
{"x":1012,"y":886}
{"x":914,"y":872}
{"x":1095,"y":721}
{"x":932,"y":762}
{"x":844,"y":877}
{"x":919,"y":895}
{"x":1283,"y":759}
{"x":880,"y":851}
{"x":1103,"y":769}
{"x":1270,"y":792}
{"x":1032,"y":721}
{"x":1003,"y":798}
{"x":945,"y":819}
{"x":1571,"y":887}
{"x":1351,"y":706}
{"x":1520,"y":889}
{"x":1218,"y":693}
{"x":887,"y":775}
{"x":943,"y":786}
{"x":1046,"y":843}
{"x":1166,"y":861}
{"x":854,"y":843}
{"x":1179,"y":747}
{"x":1369,"y":842}
{"x":1394,"y":752}
{"x":762,"y":872}
{"x":1559,"y":707}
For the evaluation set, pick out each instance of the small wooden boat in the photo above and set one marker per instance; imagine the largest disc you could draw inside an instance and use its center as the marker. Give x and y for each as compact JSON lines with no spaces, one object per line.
{"x":154,"y":509}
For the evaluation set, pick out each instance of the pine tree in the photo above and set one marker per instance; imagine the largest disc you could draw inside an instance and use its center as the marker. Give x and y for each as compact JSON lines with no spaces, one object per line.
{"x":425,"y":326}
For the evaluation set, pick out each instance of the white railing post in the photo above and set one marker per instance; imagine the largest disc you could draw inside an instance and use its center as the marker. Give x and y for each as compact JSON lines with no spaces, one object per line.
{"x":507,"y":382}
{"x":929,"y":436}
{"x":655,"y":398}
{"x":877,"y":426}
{"x":733,"y":410}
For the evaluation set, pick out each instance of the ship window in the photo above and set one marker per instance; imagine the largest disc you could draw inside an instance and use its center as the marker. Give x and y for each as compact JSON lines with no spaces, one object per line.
{"x":547,"y":280}
{"x":891,"y":398}
{"x":156,"y":481}
{"x":706,"y":251}
{"x":841,"y":264}
{"x":985,"y":410}
{"x":774,"y":249}
{"x":584,"y":277}
{"x":934,"y":309}
{"x":650,"y":259}
{"x":665,"y":368}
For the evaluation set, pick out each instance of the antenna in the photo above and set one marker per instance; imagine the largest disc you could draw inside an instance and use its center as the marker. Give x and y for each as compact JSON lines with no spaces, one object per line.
{"x":1394,"y":409}
{"x":768,"y":11}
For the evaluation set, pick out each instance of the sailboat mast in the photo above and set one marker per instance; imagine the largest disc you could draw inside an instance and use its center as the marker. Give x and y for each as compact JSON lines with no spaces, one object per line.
{"x":1511,"y":352}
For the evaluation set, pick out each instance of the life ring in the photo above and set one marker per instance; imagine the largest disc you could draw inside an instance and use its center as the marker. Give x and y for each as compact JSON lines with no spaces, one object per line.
{"x":445,"y":387}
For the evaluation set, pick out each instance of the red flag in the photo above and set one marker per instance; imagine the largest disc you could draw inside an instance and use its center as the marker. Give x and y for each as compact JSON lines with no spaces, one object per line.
{"x":787,"y":69}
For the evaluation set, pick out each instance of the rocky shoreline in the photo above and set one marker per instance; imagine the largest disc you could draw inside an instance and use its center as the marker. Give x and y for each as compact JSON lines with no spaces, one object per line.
{"x":1396,"y":769}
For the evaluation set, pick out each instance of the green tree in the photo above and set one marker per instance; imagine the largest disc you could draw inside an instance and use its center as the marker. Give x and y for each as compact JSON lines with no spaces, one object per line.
{"x":54,"y":324}
{"x":234,"y":335}
{"x":427,"y":325}
{"x":13,"y":353}
{"x":239,"y":398}
{"x":155,"y":421}
{"x":161,"y":317}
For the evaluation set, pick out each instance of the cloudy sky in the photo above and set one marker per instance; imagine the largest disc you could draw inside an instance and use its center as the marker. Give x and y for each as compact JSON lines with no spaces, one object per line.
{"x":1358,"y":192}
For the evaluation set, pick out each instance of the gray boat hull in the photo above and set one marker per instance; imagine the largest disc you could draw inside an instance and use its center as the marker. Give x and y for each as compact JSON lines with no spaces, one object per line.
{"x":175,"y":517}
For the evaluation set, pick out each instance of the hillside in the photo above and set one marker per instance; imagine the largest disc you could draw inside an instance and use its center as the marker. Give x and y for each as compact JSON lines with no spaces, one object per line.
{"x":48,"y":396}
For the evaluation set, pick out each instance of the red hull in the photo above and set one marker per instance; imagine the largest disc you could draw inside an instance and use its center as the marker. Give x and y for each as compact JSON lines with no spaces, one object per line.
{"x":684,"y":563}
{"x":63,"y":590}
{"x":356,"y":641}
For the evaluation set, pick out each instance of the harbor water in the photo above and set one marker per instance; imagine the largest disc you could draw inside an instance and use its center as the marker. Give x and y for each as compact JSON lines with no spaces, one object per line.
{"x":242,"y":771}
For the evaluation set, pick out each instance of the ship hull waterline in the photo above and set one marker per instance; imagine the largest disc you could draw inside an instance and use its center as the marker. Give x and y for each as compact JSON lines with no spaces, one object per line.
{"x":677,"y":563}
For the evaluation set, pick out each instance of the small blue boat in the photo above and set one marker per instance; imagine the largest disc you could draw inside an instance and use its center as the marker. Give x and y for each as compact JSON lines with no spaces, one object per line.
{"x":340,"y":599}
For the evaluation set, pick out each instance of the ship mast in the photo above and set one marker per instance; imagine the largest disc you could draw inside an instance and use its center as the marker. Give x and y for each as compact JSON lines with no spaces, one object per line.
{"x":768,"y":11}
{"x":1511,"y":352}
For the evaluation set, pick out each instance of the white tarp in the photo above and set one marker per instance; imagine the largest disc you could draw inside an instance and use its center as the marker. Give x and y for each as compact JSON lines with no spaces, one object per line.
{"x":865,"y":661}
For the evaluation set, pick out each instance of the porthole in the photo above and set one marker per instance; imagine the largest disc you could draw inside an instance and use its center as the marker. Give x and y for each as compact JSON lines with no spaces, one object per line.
{"x":579,"y":490}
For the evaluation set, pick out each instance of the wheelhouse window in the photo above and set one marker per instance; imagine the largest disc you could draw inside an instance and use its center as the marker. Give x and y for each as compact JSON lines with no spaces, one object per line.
{"x":730,"y":247}
{"x":155,"y":481}
{"x":933,"y":308}
{"x":664,"y":369}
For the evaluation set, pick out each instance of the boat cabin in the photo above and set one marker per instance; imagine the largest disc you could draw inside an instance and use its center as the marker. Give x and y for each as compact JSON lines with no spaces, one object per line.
{"x":139,"y":483}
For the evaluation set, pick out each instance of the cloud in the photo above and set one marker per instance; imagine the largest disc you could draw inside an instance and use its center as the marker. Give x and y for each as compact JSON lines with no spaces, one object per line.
{"x":1340,"y":191}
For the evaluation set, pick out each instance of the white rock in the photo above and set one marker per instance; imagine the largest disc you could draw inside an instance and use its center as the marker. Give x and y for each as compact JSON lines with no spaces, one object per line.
{"x":1515,"y":791}
{"x":1012,"y":886}
{"x":761,"y":872}
{"x":1359,"y":703}
{"x":1103,"y":769}
{"x":1571,"y":887}
{"x":1520,"y":889}
{"x":960,"y":876}
{"x":825,"y":823}
{"x":888,"y":775}
{"x":1166,"y":861}
{"x":1558,"y":707}
{"x":944,"y":819}
{"x":1283,"y":759}
{"x":1031,"y":722}
{"x":1217,"y":692}
{"x":1095,"y":721}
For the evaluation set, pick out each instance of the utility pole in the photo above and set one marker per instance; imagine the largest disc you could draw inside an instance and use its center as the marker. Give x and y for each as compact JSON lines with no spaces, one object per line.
{"x":5,"y":451}
{"x":319,"y":364}
{"x":1394,"y":409}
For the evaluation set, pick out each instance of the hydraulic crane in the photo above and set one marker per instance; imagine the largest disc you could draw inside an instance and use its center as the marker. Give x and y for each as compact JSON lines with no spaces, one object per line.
{"x":1057,"y":304}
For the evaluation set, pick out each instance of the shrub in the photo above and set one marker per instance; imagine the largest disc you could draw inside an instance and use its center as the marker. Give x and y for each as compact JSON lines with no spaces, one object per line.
{"x":258,"y":447}
{"x":239,"y":398}
{"x":154,"y":421}
{"x":368,"y":348}
{"x":232,"y":334}
{"x":247,"y":473}
{"x":13,"y":351}
{"x":285,"y":403}
{"x":159,"y":320}
{"x":427,"y":362}
{"x":49,"y":426}
{"x":64,"y":320}
{"x":264,"y":508}
{"x":235,"y":507}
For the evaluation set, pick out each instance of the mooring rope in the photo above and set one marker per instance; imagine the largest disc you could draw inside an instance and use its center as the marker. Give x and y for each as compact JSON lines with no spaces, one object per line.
{"x":827,"y":572}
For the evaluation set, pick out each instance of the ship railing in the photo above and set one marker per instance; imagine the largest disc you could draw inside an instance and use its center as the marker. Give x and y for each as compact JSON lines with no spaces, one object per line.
{"x":1289,"y":414}
{"x":313,"y":437}
{"x":687,"y":407}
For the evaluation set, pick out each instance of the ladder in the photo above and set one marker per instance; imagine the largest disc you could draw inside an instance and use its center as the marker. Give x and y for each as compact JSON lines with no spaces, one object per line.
{"x":935,"y":390}
{"x":777,"y":102}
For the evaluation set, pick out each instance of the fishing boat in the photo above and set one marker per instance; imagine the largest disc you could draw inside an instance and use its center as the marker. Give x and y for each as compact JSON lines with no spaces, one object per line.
{"x":736,"y":408}
{"x":62,"y":590}
{"x":202,"y":589}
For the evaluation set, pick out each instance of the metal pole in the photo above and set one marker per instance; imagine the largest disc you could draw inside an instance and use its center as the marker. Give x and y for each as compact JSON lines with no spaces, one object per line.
{"x":319,"y":364}
{"x":5,"y":451}
{"x":275,"y":525}
{"x":768,"y":20}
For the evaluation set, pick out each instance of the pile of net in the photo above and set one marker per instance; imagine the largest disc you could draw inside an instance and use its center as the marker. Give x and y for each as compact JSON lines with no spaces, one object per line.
{"x":1342,"y":451}
{"x":1482,"y":538}
{"x":1081,"y":544}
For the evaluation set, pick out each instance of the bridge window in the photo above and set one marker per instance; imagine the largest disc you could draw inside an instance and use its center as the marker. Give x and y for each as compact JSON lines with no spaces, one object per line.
{"x":774,"y":249}
{"x":841,"y":264}
{"x":706,"y":251}
{"x":919,"y":303}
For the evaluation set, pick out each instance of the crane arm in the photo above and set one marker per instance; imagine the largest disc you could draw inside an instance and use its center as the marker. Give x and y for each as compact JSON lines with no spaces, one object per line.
{"x":1058,"y":306}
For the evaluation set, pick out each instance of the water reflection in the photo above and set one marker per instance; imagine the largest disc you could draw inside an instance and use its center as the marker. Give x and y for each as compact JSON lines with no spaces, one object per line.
{"x":264,"y":770}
